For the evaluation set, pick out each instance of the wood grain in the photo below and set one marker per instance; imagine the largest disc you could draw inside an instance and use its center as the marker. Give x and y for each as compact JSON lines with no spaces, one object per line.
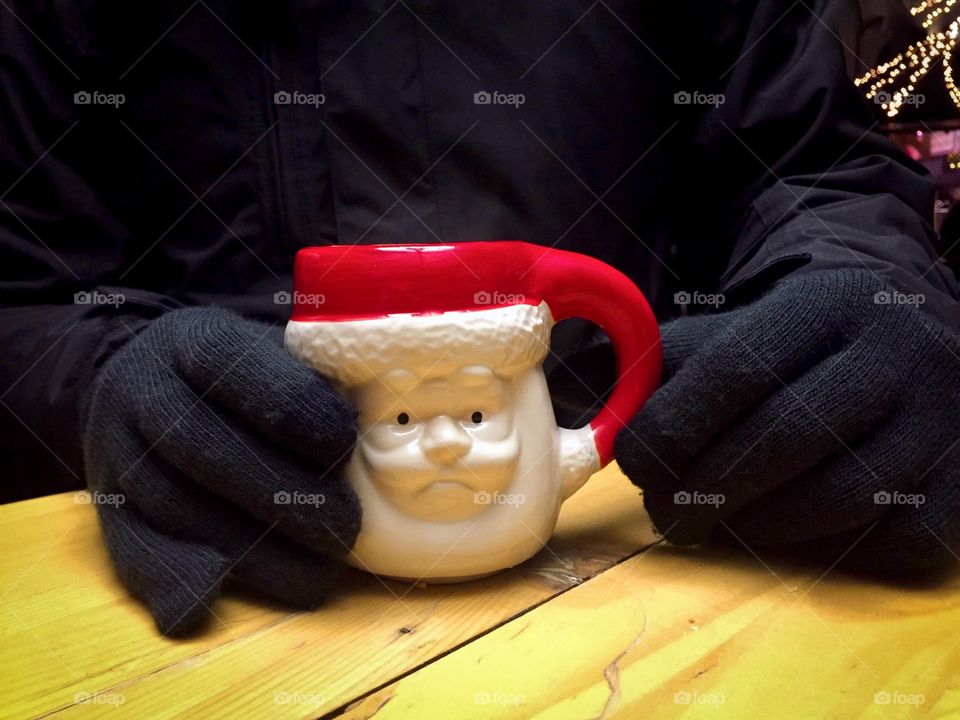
{"x":70,"y":632}
{"x":702,"y":634}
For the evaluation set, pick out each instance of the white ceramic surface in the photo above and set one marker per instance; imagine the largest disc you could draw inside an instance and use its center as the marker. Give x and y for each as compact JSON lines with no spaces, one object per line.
{"x":460,"y":466}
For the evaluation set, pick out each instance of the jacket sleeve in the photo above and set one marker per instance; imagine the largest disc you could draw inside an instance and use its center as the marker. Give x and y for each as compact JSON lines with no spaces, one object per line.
{"x":60,"y":248}
{"x":799,"y":178}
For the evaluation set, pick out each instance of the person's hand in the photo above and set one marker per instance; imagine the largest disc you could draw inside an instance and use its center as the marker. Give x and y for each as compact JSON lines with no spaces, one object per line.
{"x":210,"y":452}
{"x":825,"y":414}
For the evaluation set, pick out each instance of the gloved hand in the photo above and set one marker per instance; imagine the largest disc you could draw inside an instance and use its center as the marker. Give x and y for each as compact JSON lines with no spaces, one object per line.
{"x":824,"y":414}
{"x":213,"y":453}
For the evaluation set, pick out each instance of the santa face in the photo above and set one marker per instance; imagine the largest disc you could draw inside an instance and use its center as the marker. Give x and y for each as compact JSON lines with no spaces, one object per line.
{"x":456,"y":472}
{"x":438,"y":448}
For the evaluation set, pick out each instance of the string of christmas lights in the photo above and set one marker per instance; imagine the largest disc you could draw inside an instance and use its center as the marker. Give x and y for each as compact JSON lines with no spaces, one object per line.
{"x":915,"y":62}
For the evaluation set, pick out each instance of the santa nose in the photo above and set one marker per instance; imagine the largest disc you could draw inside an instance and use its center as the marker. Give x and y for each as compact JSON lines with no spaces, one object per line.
{"x":444,"y":441}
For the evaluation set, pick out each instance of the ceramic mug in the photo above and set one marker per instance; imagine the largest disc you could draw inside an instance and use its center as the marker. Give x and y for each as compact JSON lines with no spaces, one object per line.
{"x":460,"y":466}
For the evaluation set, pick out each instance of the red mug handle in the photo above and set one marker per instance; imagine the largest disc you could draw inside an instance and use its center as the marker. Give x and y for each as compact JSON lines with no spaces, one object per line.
{"x":576,"y":285}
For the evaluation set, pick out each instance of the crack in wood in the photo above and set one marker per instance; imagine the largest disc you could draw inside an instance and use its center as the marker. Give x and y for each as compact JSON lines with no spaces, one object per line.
{"x":611,"y":673}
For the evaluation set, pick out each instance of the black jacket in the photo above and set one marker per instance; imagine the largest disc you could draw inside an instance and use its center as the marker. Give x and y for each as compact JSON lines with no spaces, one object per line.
{"x":712,"y":145}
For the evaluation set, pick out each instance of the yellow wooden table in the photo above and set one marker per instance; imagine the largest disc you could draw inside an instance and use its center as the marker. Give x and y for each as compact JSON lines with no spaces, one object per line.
{"x":605,"y":622}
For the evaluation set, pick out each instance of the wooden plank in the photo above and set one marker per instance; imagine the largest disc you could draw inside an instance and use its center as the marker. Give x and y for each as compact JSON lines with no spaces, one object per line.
{"x":702,"y":634}
{"x":68,"y":628}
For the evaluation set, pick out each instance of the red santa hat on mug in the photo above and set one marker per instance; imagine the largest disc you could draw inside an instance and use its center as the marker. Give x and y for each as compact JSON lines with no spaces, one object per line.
{"x":361,"y":311}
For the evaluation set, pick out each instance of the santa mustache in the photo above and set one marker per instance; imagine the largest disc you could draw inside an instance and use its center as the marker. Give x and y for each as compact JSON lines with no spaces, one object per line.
{"x":483,"y":465}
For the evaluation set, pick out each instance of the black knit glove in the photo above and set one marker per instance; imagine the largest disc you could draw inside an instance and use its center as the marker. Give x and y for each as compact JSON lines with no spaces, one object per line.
{"x":825,"y":414}
{"x":210,"y":452}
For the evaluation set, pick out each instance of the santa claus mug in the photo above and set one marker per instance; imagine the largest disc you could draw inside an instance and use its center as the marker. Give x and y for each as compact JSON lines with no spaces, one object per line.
{"x":460,"y":466}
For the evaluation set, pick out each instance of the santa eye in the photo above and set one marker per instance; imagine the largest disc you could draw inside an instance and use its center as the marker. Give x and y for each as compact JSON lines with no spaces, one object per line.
{"x":403,"y":419}
{"x":477,"y":417}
